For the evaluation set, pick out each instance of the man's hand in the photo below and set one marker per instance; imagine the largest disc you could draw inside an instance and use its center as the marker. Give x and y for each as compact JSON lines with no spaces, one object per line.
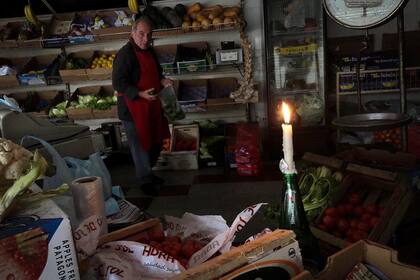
{"x":148,"y":94}
{"x":166,"y":82}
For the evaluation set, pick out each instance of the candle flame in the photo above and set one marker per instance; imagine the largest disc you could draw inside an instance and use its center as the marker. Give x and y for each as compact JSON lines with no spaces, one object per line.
{"x":286,"y":112}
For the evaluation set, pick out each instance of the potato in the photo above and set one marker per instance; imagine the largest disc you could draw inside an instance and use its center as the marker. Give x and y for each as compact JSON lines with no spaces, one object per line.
{"x":186,"y":25}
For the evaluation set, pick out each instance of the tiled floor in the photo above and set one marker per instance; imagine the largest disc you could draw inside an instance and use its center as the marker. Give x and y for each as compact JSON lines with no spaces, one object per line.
{"x":216,"y":191}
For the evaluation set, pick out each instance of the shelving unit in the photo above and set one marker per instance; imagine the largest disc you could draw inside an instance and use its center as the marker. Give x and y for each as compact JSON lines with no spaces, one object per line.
{"x":375,"y":82}
{"x":161,"y":37}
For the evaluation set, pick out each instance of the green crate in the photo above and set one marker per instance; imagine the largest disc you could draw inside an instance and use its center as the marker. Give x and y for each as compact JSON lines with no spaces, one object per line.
{"x":192,"y":66}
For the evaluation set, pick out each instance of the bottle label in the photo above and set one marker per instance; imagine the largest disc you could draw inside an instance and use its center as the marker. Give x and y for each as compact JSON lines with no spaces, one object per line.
{"x":291,"y":197}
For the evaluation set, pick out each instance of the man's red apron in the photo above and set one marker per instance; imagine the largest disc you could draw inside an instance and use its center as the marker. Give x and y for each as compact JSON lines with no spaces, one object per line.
{"x":151,"y":125}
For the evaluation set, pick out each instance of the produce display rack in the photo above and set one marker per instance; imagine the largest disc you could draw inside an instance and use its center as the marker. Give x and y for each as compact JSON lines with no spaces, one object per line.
{"x":109,"y":42}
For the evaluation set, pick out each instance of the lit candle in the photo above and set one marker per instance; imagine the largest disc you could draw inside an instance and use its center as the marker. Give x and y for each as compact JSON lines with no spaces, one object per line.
{"x":287,"y":165}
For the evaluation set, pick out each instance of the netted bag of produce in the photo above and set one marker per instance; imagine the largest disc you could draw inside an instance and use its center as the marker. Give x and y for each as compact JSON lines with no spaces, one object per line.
{"x":170,"y":105}
{"x":247,"y":151}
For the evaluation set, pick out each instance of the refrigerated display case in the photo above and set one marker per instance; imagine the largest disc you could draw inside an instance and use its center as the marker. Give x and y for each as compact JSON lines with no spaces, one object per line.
{"x":295,"y":62}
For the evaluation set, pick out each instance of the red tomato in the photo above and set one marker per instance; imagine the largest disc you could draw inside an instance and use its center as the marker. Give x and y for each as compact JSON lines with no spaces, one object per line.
{"x":343,"y":225}
{"x":322,"y":227}
{"x":357,"y":235}
{"x":173,"y":239}
{"x":363,"y":226}
{"x":329,"y":221}
{"x":341,"y":209}
{"x":197,"y":246}
{"x":184,"y":262}
{"x":366,"y":217}
{"x":355,"y":199}
{"x":381,"y":210}
{"x":358,"y":211}
{"x":331,"y":212}
{"x":374,"y":221}
{"x":353,"y":223}
{"x":349,"y":208}
{"x":349,"y":233}
{"x":187,"y":249}
{"x":143,"y":240}
{"x":156,"y":236}
{"x":372,"y":209}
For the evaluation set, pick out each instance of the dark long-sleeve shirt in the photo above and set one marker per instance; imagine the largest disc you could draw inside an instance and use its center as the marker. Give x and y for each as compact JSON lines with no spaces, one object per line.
{"x":125,"y":76}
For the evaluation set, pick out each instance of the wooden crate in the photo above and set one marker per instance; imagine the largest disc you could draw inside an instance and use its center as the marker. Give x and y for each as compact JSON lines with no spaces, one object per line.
{"x":76,"y":74}
{"x":100,"y":73}
{"x":111,"y":33}
{"x":375,"y":186}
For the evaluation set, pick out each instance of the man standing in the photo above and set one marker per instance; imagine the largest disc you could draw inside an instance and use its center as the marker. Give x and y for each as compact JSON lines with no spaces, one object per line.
{"x":137,"y":77}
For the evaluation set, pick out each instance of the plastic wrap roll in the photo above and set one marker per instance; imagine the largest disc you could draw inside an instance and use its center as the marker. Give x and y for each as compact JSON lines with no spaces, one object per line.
{"x":89,"y":200}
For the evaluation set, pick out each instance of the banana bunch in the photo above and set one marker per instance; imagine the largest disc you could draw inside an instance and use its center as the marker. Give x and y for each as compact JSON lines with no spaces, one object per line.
{"x":30,"y":16}
{"x":133,"y":6}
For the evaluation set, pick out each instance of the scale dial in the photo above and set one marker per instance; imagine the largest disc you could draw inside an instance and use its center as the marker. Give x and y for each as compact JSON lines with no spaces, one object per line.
{"x":361,"y":14}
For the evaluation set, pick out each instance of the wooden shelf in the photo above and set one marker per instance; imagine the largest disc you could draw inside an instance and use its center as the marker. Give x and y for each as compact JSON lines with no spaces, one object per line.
{"x":384,"y":91}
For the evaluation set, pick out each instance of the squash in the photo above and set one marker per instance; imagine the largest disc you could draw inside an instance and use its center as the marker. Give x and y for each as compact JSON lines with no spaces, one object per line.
{"x":217,"y":21}
{"x":228,"y":21}
{"x":193,"y":15}
{"x":173,"y":18}
{"x":180,"y":10}
{"x":205,"y":24}
{"x":194,"y":8}
{"x":200,"y":17}
{"x":231,"y":12}
{"x":196,"y":26}
{"x":186,"y":25}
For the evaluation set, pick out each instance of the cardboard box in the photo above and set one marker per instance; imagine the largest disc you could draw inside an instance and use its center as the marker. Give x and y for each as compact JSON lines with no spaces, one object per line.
{"x":44,"y":237}
{"x":76,"y":74}
{"x":39,"y":64}
{"x":100,"y":73}
{"x":380,"y":159}
{"x":178,"y":158}
{"x":111,"y":33}
{"x":383,"y":258}
{"x":58,"y":31}
{"x":192,"y":94}
{"x":9,"y":81}
{"x":88,"y":113}
{"x":167,"y":56}
{"x":220,"y":89}
{"x":374,"y":186}
{"x":200,"y":65}
{"x":12,"y":41}
{"x":283,"y":261}
{"x":237,"y":257}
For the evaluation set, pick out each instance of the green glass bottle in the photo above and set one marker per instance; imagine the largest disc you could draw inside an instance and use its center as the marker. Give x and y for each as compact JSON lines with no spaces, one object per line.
{"x":293,"y":217}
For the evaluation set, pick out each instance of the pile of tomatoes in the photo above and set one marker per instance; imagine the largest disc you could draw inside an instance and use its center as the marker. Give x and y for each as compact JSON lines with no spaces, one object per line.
{"x":392,"y":136}
{"x":173,"y":246}
{"x":350,"y":219}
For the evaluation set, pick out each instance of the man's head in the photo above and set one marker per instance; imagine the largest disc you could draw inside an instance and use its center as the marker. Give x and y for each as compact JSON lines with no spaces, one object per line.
{"x":141,"y":32}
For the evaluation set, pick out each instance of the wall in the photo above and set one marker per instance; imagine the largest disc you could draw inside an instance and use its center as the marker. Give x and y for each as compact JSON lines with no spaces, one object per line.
{"x":411,"y":22}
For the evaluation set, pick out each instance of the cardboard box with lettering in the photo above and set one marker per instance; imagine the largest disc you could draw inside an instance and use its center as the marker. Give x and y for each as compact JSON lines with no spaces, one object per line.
{"x":38,"y":242}
{"x":381,"y":257}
